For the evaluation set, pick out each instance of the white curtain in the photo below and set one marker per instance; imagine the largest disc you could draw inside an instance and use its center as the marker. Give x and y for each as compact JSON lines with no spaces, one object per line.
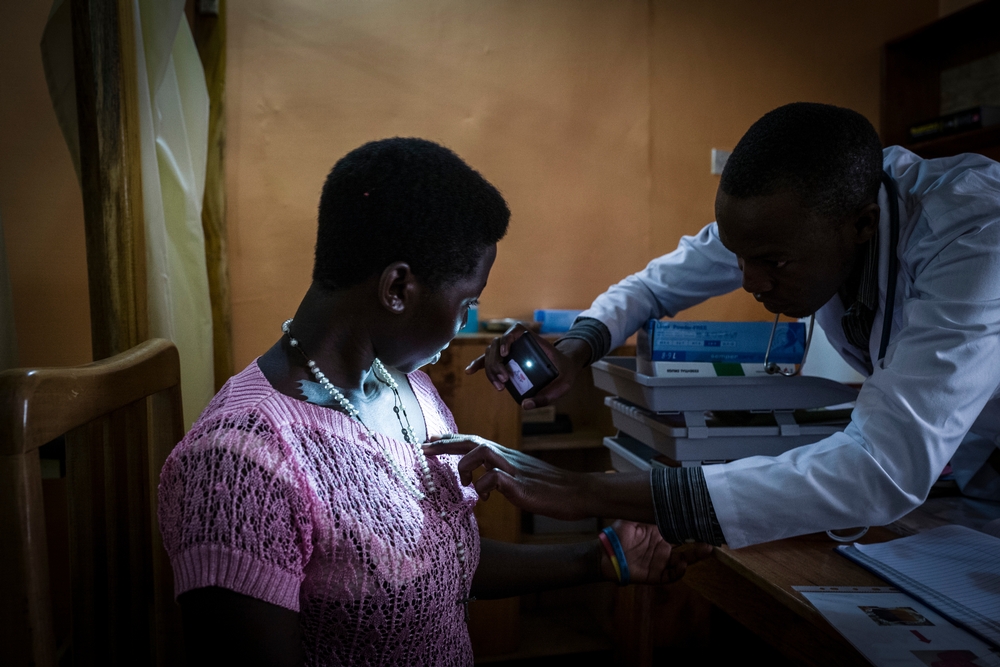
{"x":173,"y":123}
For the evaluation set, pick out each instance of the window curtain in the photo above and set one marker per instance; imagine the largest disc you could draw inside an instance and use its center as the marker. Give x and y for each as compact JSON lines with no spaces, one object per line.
{"x":173,"y":121}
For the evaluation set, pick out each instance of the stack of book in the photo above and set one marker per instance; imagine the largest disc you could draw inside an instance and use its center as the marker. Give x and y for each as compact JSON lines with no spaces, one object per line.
{"x":960,"y":121}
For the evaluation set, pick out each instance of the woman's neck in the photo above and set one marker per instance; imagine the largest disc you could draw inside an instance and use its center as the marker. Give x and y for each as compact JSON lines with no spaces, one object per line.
{"x":333,"y":329}
{"x":332,"y":332}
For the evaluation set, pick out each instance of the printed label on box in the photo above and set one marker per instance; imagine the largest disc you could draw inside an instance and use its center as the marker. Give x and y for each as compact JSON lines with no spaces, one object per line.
{"x":517,"y":376}
{"x":728,"y":342}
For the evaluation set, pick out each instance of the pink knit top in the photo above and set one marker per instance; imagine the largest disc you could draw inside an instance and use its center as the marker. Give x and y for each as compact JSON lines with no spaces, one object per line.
{"x":295,"y":504}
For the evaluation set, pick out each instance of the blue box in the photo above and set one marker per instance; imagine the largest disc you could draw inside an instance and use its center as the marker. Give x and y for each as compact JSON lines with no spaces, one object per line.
{"x":732,"y":342}
{"x":556,"y":321}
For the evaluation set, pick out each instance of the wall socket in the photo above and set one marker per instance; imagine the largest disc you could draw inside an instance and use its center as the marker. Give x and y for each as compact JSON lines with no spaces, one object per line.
{"x":208,"y":7}
{"x":719,"y":158}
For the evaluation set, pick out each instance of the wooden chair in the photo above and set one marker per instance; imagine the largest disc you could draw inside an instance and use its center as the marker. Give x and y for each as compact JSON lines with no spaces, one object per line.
{"x":120,"y":417}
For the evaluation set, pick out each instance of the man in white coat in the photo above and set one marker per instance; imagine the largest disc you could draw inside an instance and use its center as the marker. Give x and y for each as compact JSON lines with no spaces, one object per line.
{"x":803,"y":213}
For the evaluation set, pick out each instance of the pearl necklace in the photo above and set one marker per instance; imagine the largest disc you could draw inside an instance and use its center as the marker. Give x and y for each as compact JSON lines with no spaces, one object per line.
{"x":385,"y":378}
{"x":347,"y":407}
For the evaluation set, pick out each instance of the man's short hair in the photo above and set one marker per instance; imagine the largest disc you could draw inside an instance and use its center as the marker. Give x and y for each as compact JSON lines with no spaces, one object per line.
{"x":829,"y":155}
{"x":407,"y":200}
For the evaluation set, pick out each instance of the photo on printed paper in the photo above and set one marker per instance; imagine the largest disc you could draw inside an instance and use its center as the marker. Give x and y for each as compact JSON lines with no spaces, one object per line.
{"x":895,"y":615}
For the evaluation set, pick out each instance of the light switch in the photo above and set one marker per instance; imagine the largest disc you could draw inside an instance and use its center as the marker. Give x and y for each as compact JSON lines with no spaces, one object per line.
{"x":719,"y":158}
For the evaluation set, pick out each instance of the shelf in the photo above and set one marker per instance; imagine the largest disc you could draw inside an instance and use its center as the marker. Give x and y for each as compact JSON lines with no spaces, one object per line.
{"x":973,"y":141}
{"x":583,"y":439}
{"x":912,"y":67}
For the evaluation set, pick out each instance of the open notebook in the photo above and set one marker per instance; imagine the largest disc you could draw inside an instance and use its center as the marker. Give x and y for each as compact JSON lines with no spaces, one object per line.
{"x":952,"y":569}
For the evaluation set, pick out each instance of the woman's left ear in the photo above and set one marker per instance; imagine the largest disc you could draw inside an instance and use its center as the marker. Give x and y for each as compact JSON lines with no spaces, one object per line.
{"x":397,"y":287}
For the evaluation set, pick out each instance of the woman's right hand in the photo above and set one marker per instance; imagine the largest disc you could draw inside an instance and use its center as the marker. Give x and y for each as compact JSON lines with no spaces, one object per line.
{"x":527,"y":482}
{"x":536,"y":486}
{"x":569,"y":357}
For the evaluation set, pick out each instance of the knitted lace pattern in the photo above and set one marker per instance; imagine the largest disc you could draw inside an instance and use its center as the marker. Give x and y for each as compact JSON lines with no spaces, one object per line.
{"x":295,"y":504}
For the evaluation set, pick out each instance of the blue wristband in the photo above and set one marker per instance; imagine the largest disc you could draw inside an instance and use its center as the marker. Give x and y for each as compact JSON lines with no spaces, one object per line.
{"x":619,"y":554}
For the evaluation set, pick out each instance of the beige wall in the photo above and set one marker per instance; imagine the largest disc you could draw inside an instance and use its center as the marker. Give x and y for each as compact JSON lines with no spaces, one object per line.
{"x":549,"y":100}
{"x":40,"y":203}
{"x":718,"y":66}
{"x":595,"y":118}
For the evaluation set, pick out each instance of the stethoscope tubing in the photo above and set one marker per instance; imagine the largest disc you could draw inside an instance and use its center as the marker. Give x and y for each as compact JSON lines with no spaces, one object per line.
{"x":890,"y":291}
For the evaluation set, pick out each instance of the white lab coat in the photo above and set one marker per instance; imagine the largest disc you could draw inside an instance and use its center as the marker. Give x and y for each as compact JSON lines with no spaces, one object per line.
{"x":940,"y":377}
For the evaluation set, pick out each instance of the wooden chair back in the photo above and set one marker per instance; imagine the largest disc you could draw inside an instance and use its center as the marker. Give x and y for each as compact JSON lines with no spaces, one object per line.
{"x":120,"y":416}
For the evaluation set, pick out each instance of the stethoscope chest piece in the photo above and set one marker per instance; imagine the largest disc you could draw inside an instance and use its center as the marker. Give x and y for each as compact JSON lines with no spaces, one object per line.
{"x":774,"y":369}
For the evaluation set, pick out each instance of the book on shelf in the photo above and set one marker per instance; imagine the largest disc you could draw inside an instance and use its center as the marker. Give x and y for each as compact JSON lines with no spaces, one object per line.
{"x":543,"y":415}
{"x":954,"y":123}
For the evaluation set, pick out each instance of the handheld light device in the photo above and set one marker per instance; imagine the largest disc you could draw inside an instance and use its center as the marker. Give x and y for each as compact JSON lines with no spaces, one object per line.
{"x":528,"y":367}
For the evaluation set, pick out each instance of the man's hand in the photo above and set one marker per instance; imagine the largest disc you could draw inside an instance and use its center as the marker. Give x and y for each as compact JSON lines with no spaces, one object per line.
{"x":569,"y":358}
{"x":651,"y":560}
{"x":527,"y":482}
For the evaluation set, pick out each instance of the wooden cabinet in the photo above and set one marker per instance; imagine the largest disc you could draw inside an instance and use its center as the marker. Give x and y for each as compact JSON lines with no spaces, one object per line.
{"x":479,"y":409}
{"x":596,"y":623}
{"x":558,"y":622}
{"x":912,"y":68}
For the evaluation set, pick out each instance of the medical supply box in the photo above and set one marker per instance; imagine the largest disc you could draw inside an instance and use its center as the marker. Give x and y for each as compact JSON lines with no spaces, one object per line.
{"x":689,"y":421}
{"x":729,"y":342}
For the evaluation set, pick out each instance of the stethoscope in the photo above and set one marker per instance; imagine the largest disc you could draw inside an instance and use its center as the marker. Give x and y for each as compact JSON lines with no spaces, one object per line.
{"x":890,"y":300}
{"x":890,"y":292}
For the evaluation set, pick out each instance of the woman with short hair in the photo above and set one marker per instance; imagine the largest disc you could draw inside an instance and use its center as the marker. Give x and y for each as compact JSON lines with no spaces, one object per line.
{"x":303,"y":521}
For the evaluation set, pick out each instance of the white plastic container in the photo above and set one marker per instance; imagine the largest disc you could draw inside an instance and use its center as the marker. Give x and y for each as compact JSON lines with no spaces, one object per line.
{"x":688,"y":439}
{"x":630,"y":455}
{"x":617,"y":376}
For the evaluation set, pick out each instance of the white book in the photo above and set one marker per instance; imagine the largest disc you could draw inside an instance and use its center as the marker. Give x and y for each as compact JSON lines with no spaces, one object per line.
{"x":952,"y":569}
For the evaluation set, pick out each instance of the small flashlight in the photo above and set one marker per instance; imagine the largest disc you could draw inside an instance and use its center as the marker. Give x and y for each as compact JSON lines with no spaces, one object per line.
{"x":528,"y":368}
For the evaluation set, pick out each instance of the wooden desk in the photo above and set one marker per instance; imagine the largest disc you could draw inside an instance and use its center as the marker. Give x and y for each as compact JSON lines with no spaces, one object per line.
{"x":754,"y":586}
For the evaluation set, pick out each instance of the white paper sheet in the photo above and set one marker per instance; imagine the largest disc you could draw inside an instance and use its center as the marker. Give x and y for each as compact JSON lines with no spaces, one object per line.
{"x":891,"y":629}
